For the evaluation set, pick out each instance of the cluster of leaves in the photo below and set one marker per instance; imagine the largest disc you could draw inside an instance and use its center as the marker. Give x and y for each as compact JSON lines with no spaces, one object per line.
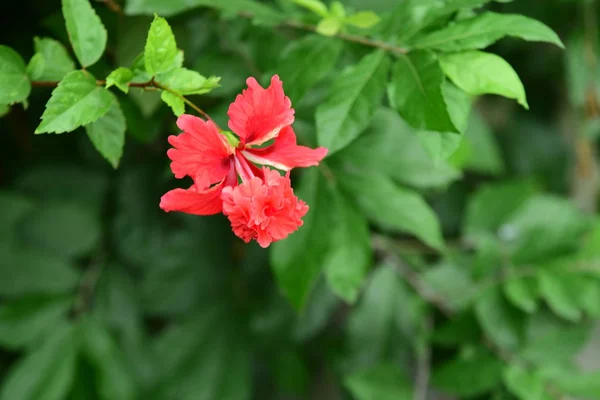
{"x":427,"y":261}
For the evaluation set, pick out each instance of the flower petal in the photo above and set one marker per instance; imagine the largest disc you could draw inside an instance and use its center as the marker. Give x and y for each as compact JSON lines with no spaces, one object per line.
{"x":193,"y":201}
{"x":265,"y":209}
{"x":257,"y":115}
{"x":199,"y":150}
{"x":285,"y":154}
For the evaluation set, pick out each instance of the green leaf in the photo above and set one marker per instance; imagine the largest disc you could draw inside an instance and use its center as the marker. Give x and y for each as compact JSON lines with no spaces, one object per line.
{"x":468,"y":376}
{"x":20,"y":206}
{"x":413,"y":16}
{"x":531,"y":235}
{"x":500,"y":321}
{"x":522,"y":293}
{"x":477,"y":73}
{"x":484,"y":30}
{"x":186,"y":81}
{"x":373,"y":324}
{"x":551,"y":340}
{"x":450,"y":282}
{"x":416,"y":92}
{"x":493,"y":204}
{"x":382,"y":382}
{"x":26,"y":320}
{"x":485,"y":156}
{"x":13,"y":77}
{"x":86,"y":31}
{"x":555,"y":289}
{"x":77,"y":101}
{"x":337,"y":10}
{"x":262,"y":13}
{"x":107,"y":134}
{"x":393,"y":207}
{"x":587,"y":294}
{"x":524,"y":384}
{"x":319,"y":308}
{"x":353,"y":99}
{"x":28,"y":271}
{"x":577,"y":383}
{"x":223,"y":371}
{"x":36,"y":66}
{"x":350,"y":254}
{"x":440,"y":145}
{"x":391,"y":147}
{"x":62,"y":229}
{"x":66,"y":183}
{"x":161,"y":49}
{"x":57,"y":62}
{"x":47,"y":373}
{"x":173,"y":101}
{"x":295,"y":267}
{"x":459,"y":331}
{"x":315,"y":6}
{"x":363,"y":19}
{"x":120,"y":77}
{"x":306,"y":62}
{"x":113,"y":379}
{"x":329,"y":26}
{"x":459,"y":105}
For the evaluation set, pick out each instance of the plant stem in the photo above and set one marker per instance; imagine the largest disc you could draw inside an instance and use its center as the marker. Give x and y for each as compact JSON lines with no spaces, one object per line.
{"x":424,"y":361}
{"x":188,"y":102}
{"x":87,"y":285}
{"x":113,"y":6}
{"x":341,"y":35}
{"x":151,"y":84}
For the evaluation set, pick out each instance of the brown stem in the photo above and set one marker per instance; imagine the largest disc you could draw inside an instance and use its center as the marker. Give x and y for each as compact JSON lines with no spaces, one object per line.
{"x":188,"y":102}
{"x":424,"y":362}
{"x":87,"y":285}
{"x":586,"y":179}
{"x":341,"y":35}
{"x":112,"y":6}
{"x":151,"y":84}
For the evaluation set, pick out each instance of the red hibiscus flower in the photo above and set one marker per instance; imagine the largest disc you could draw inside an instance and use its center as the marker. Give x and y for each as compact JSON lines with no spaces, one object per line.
{"x":263,"y":202}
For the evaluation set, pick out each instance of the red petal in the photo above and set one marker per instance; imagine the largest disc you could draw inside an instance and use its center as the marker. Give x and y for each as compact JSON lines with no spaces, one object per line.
{"x":285,"y":154}
{"x":257,"y":115}
{"x":199,"y":150}
{"x":192,"y":201}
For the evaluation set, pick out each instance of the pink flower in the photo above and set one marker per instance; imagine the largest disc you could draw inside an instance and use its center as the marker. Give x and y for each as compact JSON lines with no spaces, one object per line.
{"x":263,"y":209}
{"x":201,"y":152}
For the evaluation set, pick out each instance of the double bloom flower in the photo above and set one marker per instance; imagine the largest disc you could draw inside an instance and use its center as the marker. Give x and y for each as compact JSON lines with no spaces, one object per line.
{"x":259,"y":201}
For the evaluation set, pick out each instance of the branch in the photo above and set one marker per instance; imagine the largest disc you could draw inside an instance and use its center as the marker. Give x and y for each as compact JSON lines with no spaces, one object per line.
{"x":188,"y":102}
{"x":586,"y":180}
{"x":112,"y":6}
{"x":341,"y":35}
{"x":87,"y":285}
{"x":424,"y":362}
{"x":151,"y":84}
{"x":414,"y":280}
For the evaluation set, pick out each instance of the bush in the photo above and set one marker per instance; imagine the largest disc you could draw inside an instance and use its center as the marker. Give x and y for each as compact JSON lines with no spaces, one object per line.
{"x":451,"y":244}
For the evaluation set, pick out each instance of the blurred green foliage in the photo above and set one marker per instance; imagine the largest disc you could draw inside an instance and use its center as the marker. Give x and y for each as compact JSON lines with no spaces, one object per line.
{"x":452,"y":246}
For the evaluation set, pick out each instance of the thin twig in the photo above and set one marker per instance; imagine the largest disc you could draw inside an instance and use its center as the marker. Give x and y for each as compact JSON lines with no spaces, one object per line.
{"x":188,"y":102}
{"x":113,"y":6}
{"x":150,"y":85}
{"x":443,"y":305}
{"x":87,"y":285}
{"x":586,"y":180}
{"x":341,"y":35}
{"x":424,"y":362}
{"x":380,"y":243}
